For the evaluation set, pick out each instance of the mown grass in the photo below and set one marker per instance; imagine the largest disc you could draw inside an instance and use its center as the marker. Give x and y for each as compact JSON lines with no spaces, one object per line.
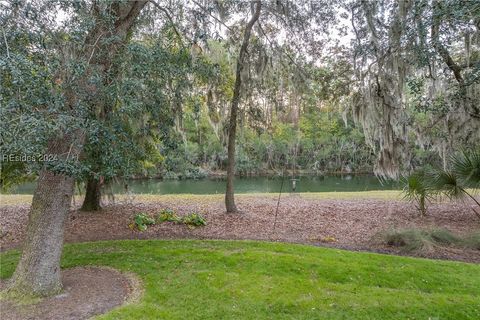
{"x":190,"y":279}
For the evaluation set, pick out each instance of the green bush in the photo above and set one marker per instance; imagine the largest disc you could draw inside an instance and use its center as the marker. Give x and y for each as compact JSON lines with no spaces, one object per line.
{"x":142,"y":221}
{"x":170,"y":175}
{"x":194,"y":220}
{"x":168,"y":215}
{"x":195,"y":173}
{"x":408,"y":240}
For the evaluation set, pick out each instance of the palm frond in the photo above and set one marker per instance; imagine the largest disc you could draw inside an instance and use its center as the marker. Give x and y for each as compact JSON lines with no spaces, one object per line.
{"x":417,"y":189}
{"x":449,"y":184}
{"x":467,"y":167}
{"x":414,"y":185}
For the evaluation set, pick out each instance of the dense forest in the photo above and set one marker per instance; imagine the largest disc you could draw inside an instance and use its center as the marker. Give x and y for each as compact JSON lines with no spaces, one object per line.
{"x":301,"y":110}
{"x":280,"y":127}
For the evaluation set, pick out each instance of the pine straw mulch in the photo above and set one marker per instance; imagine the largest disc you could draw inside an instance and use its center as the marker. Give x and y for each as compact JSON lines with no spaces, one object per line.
{"x":87,"y":291}
{"x":348,"y":224}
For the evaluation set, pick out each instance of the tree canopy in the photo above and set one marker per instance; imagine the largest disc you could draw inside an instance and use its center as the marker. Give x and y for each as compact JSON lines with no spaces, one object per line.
{"x":91,"y":91}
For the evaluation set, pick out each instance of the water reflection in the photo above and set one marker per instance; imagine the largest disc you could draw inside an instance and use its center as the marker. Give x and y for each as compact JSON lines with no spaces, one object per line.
{"x":247,"y":185}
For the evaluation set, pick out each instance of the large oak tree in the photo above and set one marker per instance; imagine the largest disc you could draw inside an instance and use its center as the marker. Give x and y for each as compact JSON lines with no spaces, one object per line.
{"x":83,"y":47}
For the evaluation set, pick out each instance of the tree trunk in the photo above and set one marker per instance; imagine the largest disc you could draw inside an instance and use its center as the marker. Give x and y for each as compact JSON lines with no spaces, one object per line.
{"x":38,"y":272}
{"x":232,"y":129}
{"x":92,"y":196}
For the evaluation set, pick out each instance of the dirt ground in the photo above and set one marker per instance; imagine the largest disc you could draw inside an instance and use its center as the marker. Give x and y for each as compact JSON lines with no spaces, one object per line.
{"x":350,"y":224}
{"x":87,"y":292}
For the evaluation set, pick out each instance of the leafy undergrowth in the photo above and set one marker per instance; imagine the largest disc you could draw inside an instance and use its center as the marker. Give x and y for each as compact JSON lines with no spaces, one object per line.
{"x":142,"y":220}
{"x":416,"y":240}
{"x":252,"y":280}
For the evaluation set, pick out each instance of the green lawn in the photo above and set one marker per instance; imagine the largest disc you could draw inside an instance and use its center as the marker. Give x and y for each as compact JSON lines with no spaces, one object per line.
{"x":253,"y":280}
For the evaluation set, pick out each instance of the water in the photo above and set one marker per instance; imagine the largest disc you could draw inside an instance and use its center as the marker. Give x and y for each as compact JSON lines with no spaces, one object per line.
{"x":247,"y":185}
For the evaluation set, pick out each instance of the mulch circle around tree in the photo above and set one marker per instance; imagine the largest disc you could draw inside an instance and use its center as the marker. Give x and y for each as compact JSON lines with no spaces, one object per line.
{"x":87,"y":291}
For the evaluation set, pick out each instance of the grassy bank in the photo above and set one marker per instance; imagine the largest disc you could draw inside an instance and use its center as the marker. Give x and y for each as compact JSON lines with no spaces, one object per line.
{"x":12,"y":199}
{"x":251,"y":280}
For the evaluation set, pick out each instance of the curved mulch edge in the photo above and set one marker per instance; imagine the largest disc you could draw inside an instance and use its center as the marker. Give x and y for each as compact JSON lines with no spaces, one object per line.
{"x":135,"y":285}
{"x":88,"y":291}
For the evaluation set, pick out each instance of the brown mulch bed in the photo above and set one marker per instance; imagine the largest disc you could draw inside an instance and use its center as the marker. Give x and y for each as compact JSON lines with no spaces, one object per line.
{"x":350,"y":224}
{"x":87,"y":292}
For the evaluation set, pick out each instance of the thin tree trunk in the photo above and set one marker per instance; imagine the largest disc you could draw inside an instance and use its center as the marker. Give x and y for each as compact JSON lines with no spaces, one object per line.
{"x":92,"y":195}
{"x":232,"y":130}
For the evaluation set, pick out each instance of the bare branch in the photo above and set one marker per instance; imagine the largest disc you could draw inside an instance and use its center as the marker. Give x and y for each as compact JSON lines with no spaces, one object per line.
{"x":6,"y":43}
{"x":169,"y":17}
{"x":282,"y":51}
{"x":451,"y":64}
{"x":211,"y":15}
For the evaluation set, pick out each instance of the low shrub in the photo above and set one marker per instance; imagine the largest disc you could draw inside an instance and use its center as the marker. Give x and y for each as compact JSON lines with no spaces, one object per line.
{"x":142,"y":221}
{"x":170,"y":175}
{"x":410,"y":240}
{"x":168,"y":215}
{"x":472,"y":241}
{"x":195,"y":173}
{"x":443,"y":237}
{"x":194,"y":220}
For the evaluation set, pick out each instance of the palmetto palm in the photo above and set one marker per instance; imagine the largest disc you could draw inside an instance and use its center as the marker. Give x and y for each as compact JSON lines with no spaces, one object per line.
{"x":447,"y":183}
{"x":465,"y":173}
{"x":467,"y":167}
{"x":418,"y":189}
